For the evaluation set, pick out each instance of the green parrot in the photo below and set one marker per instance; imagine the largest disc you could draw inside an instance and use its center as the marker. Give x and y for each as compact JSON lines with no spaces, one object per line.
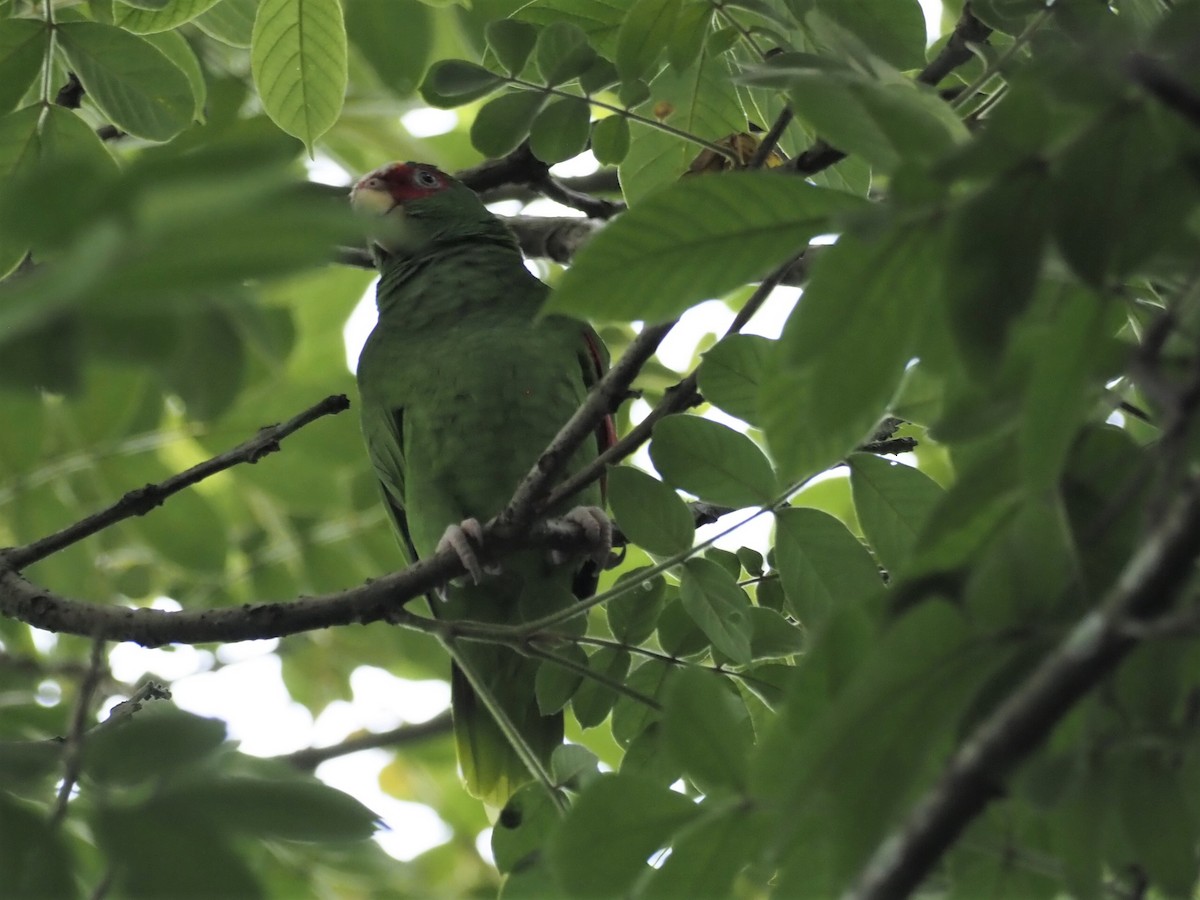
{"x":462,"y":388}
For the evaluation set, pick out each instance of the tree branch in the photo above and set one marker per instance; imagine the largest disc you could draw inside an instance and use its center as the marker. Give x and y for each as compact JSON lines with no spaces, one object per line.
{"x":601,"y":401}
{"x":1158,"y":81}
{"x":311,"y":757}
{"x":1150,"y":582}
{"x":73,"y":746}
{"x":141,"y":500}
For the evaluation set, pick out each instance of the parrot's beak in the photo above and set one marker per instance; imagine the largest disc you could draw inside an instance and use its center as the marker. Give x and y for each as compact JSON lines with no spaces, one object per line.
{"x":370,"y":200}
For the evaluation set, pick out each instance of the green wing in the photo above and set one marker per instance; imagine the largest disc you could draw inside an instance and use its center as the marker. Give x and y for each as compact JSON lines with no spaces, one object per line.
{"x":384,"y":433}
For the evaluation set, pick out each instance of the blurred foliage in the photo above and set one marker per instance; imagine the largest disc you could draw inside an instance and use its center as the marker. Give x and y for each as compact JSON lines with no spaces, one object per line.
{"x":1008,"y":238}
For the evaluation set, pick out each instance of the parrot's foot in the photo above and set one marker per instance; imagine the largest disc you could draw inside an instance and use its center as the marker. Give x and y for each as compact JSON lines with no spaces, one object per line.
{"x":462,"y":539}
{"x":598,"y":532}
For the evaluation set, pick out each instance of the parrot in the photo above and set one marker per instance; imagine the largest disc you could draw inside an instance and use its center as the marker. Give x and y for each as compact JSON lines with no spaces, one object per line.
{"x":462,"y":386}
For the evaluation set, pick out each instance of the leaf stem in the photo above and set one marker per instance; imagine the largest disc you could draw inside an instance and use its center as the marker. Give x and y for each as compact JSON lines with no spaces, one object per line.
{"x":630,"y":115}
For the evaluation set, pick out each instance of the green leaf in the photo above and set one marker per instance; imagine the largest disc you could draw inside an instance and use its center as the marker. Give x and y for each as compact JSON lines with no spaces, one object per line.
{"x":631,"y":717}
{"x":712,"y":461}
{"x":68,"y":140}
{"x":706,"y":859}
{"x":614,"y":827}
{"x":708,"y":730}
{"x":504,"y":121}
{"x":453,"y":82}
{"x":731,"y":374}
{"x":555,"y":685}
{"x":894,"y":30}
{"x":132,"y":82}
{"x":822,"y":565}
{"x":893,"y":502}
{"x":644,"y":33}
{"x":167,"y":16}
{"x":678,"y":633}
{"x":774,"y":637}
{"x":298,"y":57}
{"x":573,"y":766}
{"x":398,"y":53}
{"x":1056,"y":397}
{"x":699,"y":238}
{"x":560,"y":131}
{"x":23,"y":46}
{"x":866,"y":301}
{"x":634,"y":616}
{"x":230,"y":21}
{"x":599,"y":75}
{"x":155,"y":741}
{"x":886,"y":122}
{"x":24,"y":763}
{"x":593,"y":701}
{"x":649,"y":513}
{"x":172,"y":45}
{"x":512,"y":42}
{"x":700,"y":100}
{"x":686,"y":40}
{"x":721,"y":608}
{"x":523,"y":827}
{"x":18,"y":140}
{"x":1104,"y":234}
{"x":610,"y":139}
{"x":985,"y":289}
{"x":563,"y":52}
{"x":35,"y":862}
{"x":293,"y":809}
{"x":1160,"y":823}
{"x":152,"y":849}
{"x":600,"y":21}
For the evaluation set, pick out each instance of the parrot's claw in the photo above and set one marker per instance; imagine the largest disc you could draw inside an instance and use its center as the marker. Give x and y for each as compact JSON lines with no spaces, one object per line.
{"x":598,"y":531}
{"x":462,"y":539}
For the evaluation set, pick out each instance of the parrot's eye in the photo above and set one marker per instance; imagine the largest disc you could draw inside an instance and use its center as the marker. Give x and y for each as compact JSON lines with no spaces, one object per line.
{"x":425,"y":179}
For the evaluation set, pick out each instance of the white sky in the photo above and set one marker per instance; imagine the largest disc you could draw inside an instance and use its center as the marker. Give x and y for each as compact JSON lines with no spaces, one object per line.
{"x":246,"y":689}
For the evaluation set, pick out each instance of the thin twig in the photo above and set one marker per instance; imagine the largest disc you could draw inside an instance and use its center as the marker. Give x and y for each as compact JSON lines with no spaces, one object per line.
{"x":73,"y":746}
{"x":141,"y":500}
{"x":311,"y":757}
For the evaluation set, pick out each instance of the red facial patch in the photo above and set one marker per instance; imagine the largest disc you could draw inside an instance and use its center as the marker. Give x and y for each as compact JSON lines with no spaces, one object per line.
{"x":406,"y":181}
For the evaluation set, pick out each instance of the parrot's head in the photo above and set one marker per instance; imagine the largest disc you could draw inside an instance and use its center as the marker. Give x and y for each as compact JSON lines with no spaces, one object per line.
{"x":411,"y":206}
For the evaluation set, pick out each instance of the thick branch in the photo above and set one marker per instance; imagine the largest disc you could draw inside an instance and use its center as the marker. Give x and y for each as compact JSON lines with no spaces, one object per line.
{"x":141,"y":500}
{"x":1149,"y":584}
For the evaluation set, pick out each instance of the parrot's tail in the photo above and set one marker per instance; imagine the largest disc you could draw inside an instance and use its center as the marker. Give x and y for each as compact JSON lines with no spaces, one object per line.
{"x":492,"y":768}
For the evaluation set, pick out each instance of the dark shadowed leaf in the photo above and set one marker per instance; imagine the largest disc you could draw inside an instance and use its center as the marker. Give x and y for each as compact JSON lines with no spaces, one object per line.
{"x":634,"y":616}
{"x":712,"y":461}
{"x":649,"y":513}
{"x":615,"y":826}
{"x":708,"y":730}
{"x":721,"y":608}
{"x":512,"y":42}
{"x":731,"y":374}
{"x":893,"y":502}
{"x":561,"y":130}
{"x":504,"y":121}
{"x":821,"y":564}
